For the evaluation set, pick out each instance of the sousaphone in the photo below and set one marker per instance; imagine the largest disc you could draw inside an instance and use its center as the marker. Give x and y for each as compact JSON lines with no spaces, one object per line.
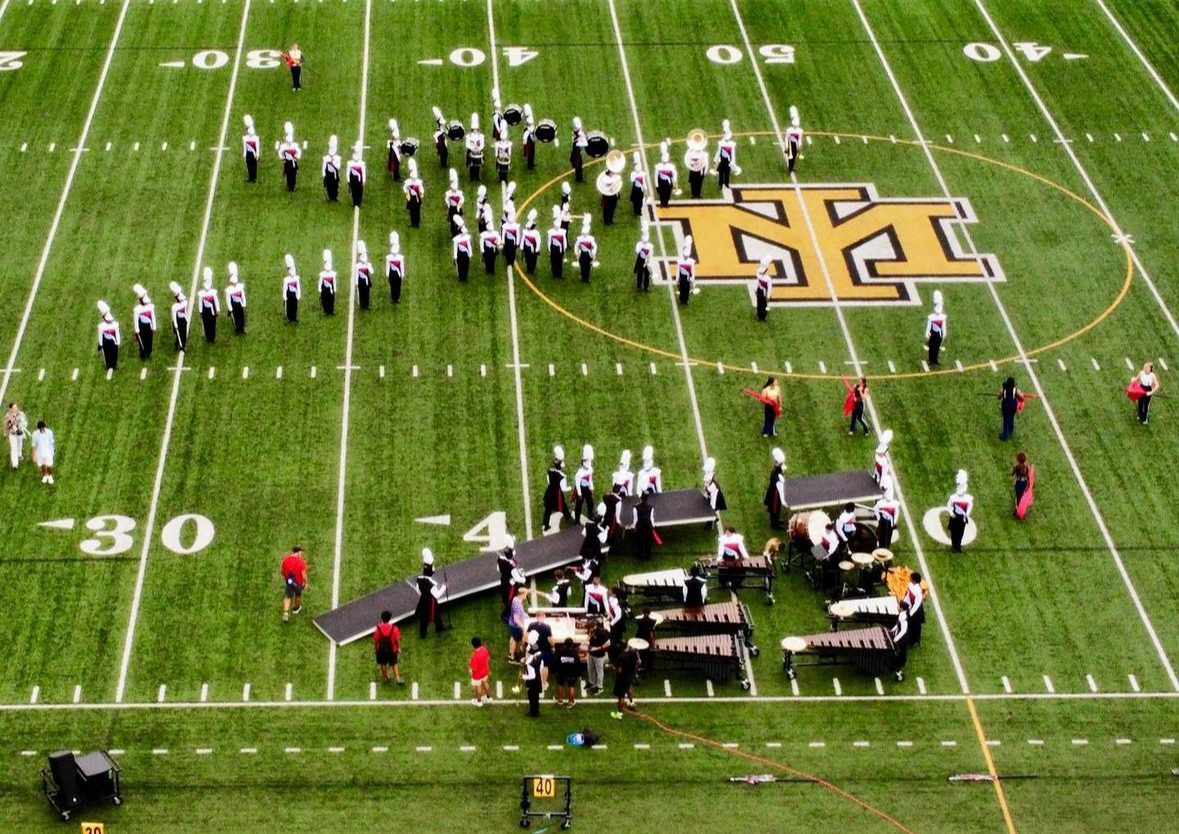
{"x":609,"y":183}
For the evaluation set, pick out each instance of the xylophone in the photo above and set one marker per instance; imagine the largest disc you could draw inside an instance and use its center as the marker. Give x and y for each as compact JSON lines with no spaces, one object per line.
{"x":883,"y":610}
{"x":716,"y":656}
{"x":869,"y":649}
{"x":713,"y":618}
{"x":731,"y":573}
{"x":659,"y":584}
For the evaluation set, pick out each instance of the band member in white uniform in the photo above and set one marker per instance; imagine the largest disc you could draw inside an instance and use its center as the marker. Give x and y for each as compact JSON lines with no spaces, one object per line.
{"x":454,"y":200}
{"x":393,"y":146}
{"x":499,"y":125}
{"x":775,"y":498}
{"x":558,"y":242}
{"x":209,"y":304}
{"x":913,"y":603}
{"x":577,"y":146}
{"x":882,"y":464}
{"x":461,"y":250}
{"x":936,"y":327}
{"x":730,"y":545}
{"x":235,"y":300}
{"x":888,"y":510}
{"x":251,"y":146}
{"x":765,"y":282}
{"x":530,"y":242}
{"x":489,"y":247}
{"x":960,"y":506}
{"x":725,"y":158}
{"x":586,"y":249}
{"x":357,"y":175}
{"x":507,"y":202}
{"x":440,"y":139}
{"x":583,"y":484}
{"x":482,"y":210}
{"x":363,"y":275}
{"x":292,"y":290}
{"x":555,"y":489}
{"x":666,"y":176}
{"x":845,"y":524}
{"x":1149,"y":383}
{"x":327,"y":285}
{"x":649,"y":479}
{"x":793,"y":139}
{"x":712,"y":489}
{"x":638,"y":184}
{"x":623,"y":479}
{"x":143,"y":321}
{"x":609,"y":185}
{"x":331,"y":170}
{"x":528,"y":138}
{"x":179,"y":316}
{"x":290,"y":153}
{"x":476,"y":144}
{"x":510,"y":234}
{"x":395,"y":268}
{"x":696,"y":161}
{"x":415,"y":193}
{"x":685,"y":272}
{"x":566,"y":206}
{"x":503,"y":157}
{"x":109,"y":337}
{"x":642,"y":268}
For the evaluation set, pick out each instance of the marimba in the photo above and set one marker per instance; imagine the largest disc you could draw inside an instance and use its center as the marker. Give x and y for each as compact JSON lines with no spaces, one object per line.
{"x":658,"y":584}
{"x":712,"y":618}
{"x":869,"y":649}
{"x":732,"y":573}
{"x":716,"y":656}
{"x":881,"y":610}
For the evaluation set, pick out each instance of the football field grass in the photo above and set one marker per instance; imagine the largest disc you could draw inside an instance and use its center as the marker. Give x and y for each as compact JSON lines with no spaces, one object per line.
{"x":146,"y":619}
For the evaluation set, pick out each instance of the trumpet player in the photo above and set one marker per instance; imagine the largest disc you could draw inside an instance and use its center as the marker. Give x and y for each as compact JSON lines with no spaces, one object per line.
{"x":666,"y":176}
{"x":696,"y":161}
{"x":638,"y":184}
{"x":724,"y":161}
{"x":793,"y":139}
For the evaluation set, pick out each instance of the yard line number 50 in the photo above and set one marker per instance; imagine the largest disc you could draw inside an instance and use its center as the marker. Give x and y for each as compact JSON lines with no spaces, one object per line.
{"x":112,"y":534}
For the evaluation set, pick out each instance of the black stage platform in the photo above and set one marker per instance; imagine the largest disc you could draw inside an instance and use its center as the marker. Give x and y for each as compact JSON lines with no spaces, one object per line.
{"x":812,"y":492}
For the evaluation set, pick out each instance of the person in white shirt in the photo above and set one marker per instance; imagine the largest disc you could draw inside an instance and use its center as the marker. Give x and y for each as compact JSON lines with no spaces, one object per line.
{"x":887,"y":511}
{"x":291,"y":289}
{"x":235,"y":300}
{"x":43,"y":446}
{"x":251,"y":145}
{"x":179,"y":317}
{"x":395,"y":267}
{"x":731,"y":546}
{"x":1149,"y":383}
{"x":476,"y":143}
{"x":793,"y":139}
{"x":331,"y":170}
{"x":143,"y":321}
{"x":357,"y":175}
{"x":960,"y":506}
{"x":364,"y":275}
{"x":327,"y":285}
{"x":16,"y":426}
{"x":209,"y":305}
{"x":650,"y":477}
{"x":845,"y":524}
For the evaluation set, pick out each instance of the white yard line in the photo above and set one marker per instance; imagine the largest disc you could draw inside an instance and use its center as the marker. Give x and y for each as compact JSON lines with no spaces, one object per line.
{"x":1162,"y":85}
{"x":341,"y":481}
{"x":1049,"y":412}
{"x":675,"y":311}
{"x":178,"y":372}
{"x":910,"y":526}
{"x":516,"y":367}
{"x":61,"y":202}
{"x":1048,"y":117}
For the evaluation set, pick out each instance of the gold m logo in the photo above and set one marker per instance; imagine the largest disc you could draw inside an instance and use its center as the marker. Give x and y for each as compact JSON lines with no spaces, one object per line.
{"x":874,"y":249}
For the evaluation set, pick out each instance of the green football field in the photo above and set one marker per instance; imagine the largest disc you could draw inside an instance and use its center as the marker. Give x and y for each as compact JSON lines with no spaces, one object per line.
{"x":140,"y":597}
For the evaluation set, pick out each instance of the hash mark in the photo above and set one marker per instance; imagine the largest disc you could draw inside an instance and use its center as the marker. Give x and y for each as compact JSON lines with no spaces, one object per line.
{"x":1005,"y":139}
{"x":817,"y":744}
{"x":838,"y":688}
{"x":654,"y":371}
{"x":204,"y":692}
{"x":822,"y":367}
{"x":1006,"y":684}
{"x":1093,"y":359}
{"x":921,"y":685}
{"x":977,"y":139}
{"x":415,"y":371}
{"x":1048,"y":685}
{"x":1121,"y":742}
{"x":1092,"y":683}
{"x":1129,"y":364}
{"x":753,"y":367}
{"x":74,"y":375}
{"x":248,"y":751}
{"x":879,"y":687}
{"x":163,"y":692}
{"x":584,"y":370}
{"x":720,"y":368}
{"x":483,"y":370}
{"x":288,"y":691}
{"x":708,"y":688}
{"x":313,"y":372}
{"x":861,"y":744}
{"x":372,"y":690}
{"x":143,"y":373}
{"x":789,"y":369}
{"x":949,"y":744}
{"x":1134,"y":683}
{"x":1118,"y":137}
{"x":949,"y":139}
{"x":413,"y":691}
{"x":667,"y":687}
{"x":774,"y":745}
{"x":1080,"y":742}
{"x":212,"y":372}
{"x":449,"y":371}
{"x":245,"y":692}
{"x":892,"y":369}
{"x":1060,"y":364}
{"x":278,"y":372}
{"x":618,"y":368}
{"x":77,"y":693}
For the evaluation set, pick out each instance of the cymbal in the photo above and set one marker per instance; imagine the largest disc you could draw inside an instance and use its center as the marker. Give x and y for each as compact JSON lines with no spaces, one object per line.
{"x":882,"y":554}
{"x":846,"y":565}
{"x":862,"y":559}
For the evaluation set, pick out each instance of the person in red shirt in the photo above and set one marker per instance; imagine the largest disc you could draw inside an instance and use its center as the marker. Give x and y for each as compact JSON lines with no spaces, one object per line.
{"x":387,"y":646}
{"x":480,"y":664}
{"x":294,"y":575}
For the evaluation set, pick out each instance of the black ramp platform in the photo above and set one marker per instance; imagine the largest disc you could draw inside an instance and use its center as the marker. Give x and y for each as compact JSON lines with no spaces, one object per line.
{"x":683,"y":506}
{"x":814,"y":491}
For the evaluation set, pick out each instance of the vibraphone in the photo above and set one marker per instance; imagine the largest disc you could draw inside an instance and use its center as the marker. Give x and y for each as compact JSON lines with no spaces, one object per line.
{"x":880,"y":610}
{"x":732,"y":573}
{"x":869,"y":649}
{"x":658,"y":584}
{"x":713,"y":618}
{"x":716,"y":656}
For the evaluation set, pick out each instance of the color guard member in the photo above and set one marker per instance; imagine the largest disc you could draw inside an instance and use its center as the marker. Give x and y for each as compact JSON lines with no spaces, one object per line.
{"x":1148,"y":382}
{"x":558,"y":241}
{"x":577,"y":147}
{"x":1010,"y":398}
{"x":430,"y":595}
{"x":725,"y":159}
{"x":251,"y":145}
{"x":454,"y":200}
{"x":327,"y":285}
{"x":696,"y":161}
{"x":235,"y":300}
{"x":291,"y":290}
{"x":395,"y":268}
{"x":511,"y":237}
{"x":644,"y":525}
{"x":109,"y":337}
{"x":179,"y":316}
{"x":960,"y":506}
{"x":209,"y":304}
{"x":364,"y":275}
{"x":935,"y":327}
{"x":415,"y":193}
{"x":638,"y":184}
{"x":555,"y":489}
{"x":765,"y":282}
{"x":882,"y":464}
{"x":775,"y":498}
{"x":649,"y":479}
{"x":685,"y":272}
{"x":42,"y":445}
{"x":294,"y":59}
{"x":476,"y":145}
{"x":489,"y":247}
{"x":666,"y":176}
{"x":331,"y":170}
{"x":357,"y":174}
{"x":290,"y":153}
{"x":394,"y":148}
{"x":530,"y":242}
{"x":586,"y":248}
{"x":583,"y":484}
{"x":642,"y":268}
{"x":461,"y":250}
{"x":143,"y":318}
{"x":440,"y":139}
{"x":793,"y":140}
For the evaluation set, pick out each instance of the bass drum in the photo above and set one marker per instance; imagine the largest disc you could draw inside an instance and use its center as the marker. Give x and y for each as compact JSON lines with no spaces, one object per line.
{"x":409,"y":146}
{"x":546,"y":130}
{"x":513,"y":114}
{"x":596,"y":144}
{"x":455,"y":131}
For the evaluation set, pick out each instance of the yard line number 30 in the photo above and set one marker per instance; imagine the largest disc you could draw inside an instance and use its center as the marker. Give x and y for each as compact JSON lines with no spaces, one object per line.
{"x":184,"y":534}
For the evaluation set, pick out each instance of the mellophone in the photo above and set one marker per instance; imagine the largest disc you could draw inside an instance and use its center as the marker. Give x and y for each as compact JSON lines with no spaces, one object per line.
{"x":716,"y":656}
{"x":712,"y":618}
{"x":731,"y":573}
{"x":869,"y":649}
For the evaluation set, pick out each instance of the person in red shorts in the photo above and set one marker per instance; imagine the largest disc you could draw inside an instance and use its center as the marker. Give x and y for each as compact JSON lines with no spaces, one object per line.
{"x":294,"y":575}
{"x":480,"y":664}
{"x":387,"y":647}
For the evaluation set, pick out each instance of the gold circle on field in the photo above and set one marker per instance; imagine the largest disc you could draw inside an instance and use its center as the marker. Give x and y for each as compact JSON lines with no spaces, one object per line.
{"x":712,"y":363}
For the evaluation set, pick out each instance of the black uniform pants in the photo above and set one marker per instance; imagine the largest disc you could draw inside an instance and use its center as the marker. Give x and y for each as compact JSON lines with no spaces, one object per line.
{"x":296,"y":75}
{"x":209,"y":322}
{"x":463,"y":264}
{"x":723,"y":170}
{"x":685,"y":287}
{"x":429,"y":611}
{"x":395,"y":287}
{"x":584,"y":498}
{"x":327,"y":300}
{"x":557,"y":261}
{"x":443,"y":152}
{"x":884,"y":533}
{"x":763,"y":305}
{"x":696,"y":183}
{"x":642,"y":275}
{"x":251,"y":168}
{"x":858,"y":417}
{"x":957,"y":527}
{"x":530,"y":256}
{"x":415,"y":212}
{"x":935,"y":346}
{"x":510,"y":254}
{"x":356,"y":191}
{"x":645,"y":539}
{"x":237,"y":313}
{"x":1144,"y":408}
{"x":663,"y":189}
{"x":530,"y":154}
{"x":586,"y":262}
{"x":609,"y":206}
{"x":489,"y":261}
{"x":363,"y":293}
{"x":1008,"y":421}
{"x":331,"y":186}
{"x":534,"y":697}
{"x":110,"y":354}
{"x":792,"y":153}
{"x":292,"y":307}
{"x":502,"y":170}
{"x":636,"y":199}
{"x":146,"y":337}
{"x":290,"y":170}
{"x":575,"y":162}
{"x":474,"y":163}
{"x":180,"y":330}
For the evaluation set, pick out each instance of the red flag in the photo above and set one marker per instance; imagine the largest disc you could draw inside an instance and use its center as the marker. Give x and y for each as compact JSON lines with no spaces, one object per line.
{"x":849,"y":402}
{"x":655,"y":536}
{"x":1134,"y":390}
{"x":757,"y":395}
{"x":1025,"y":500}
